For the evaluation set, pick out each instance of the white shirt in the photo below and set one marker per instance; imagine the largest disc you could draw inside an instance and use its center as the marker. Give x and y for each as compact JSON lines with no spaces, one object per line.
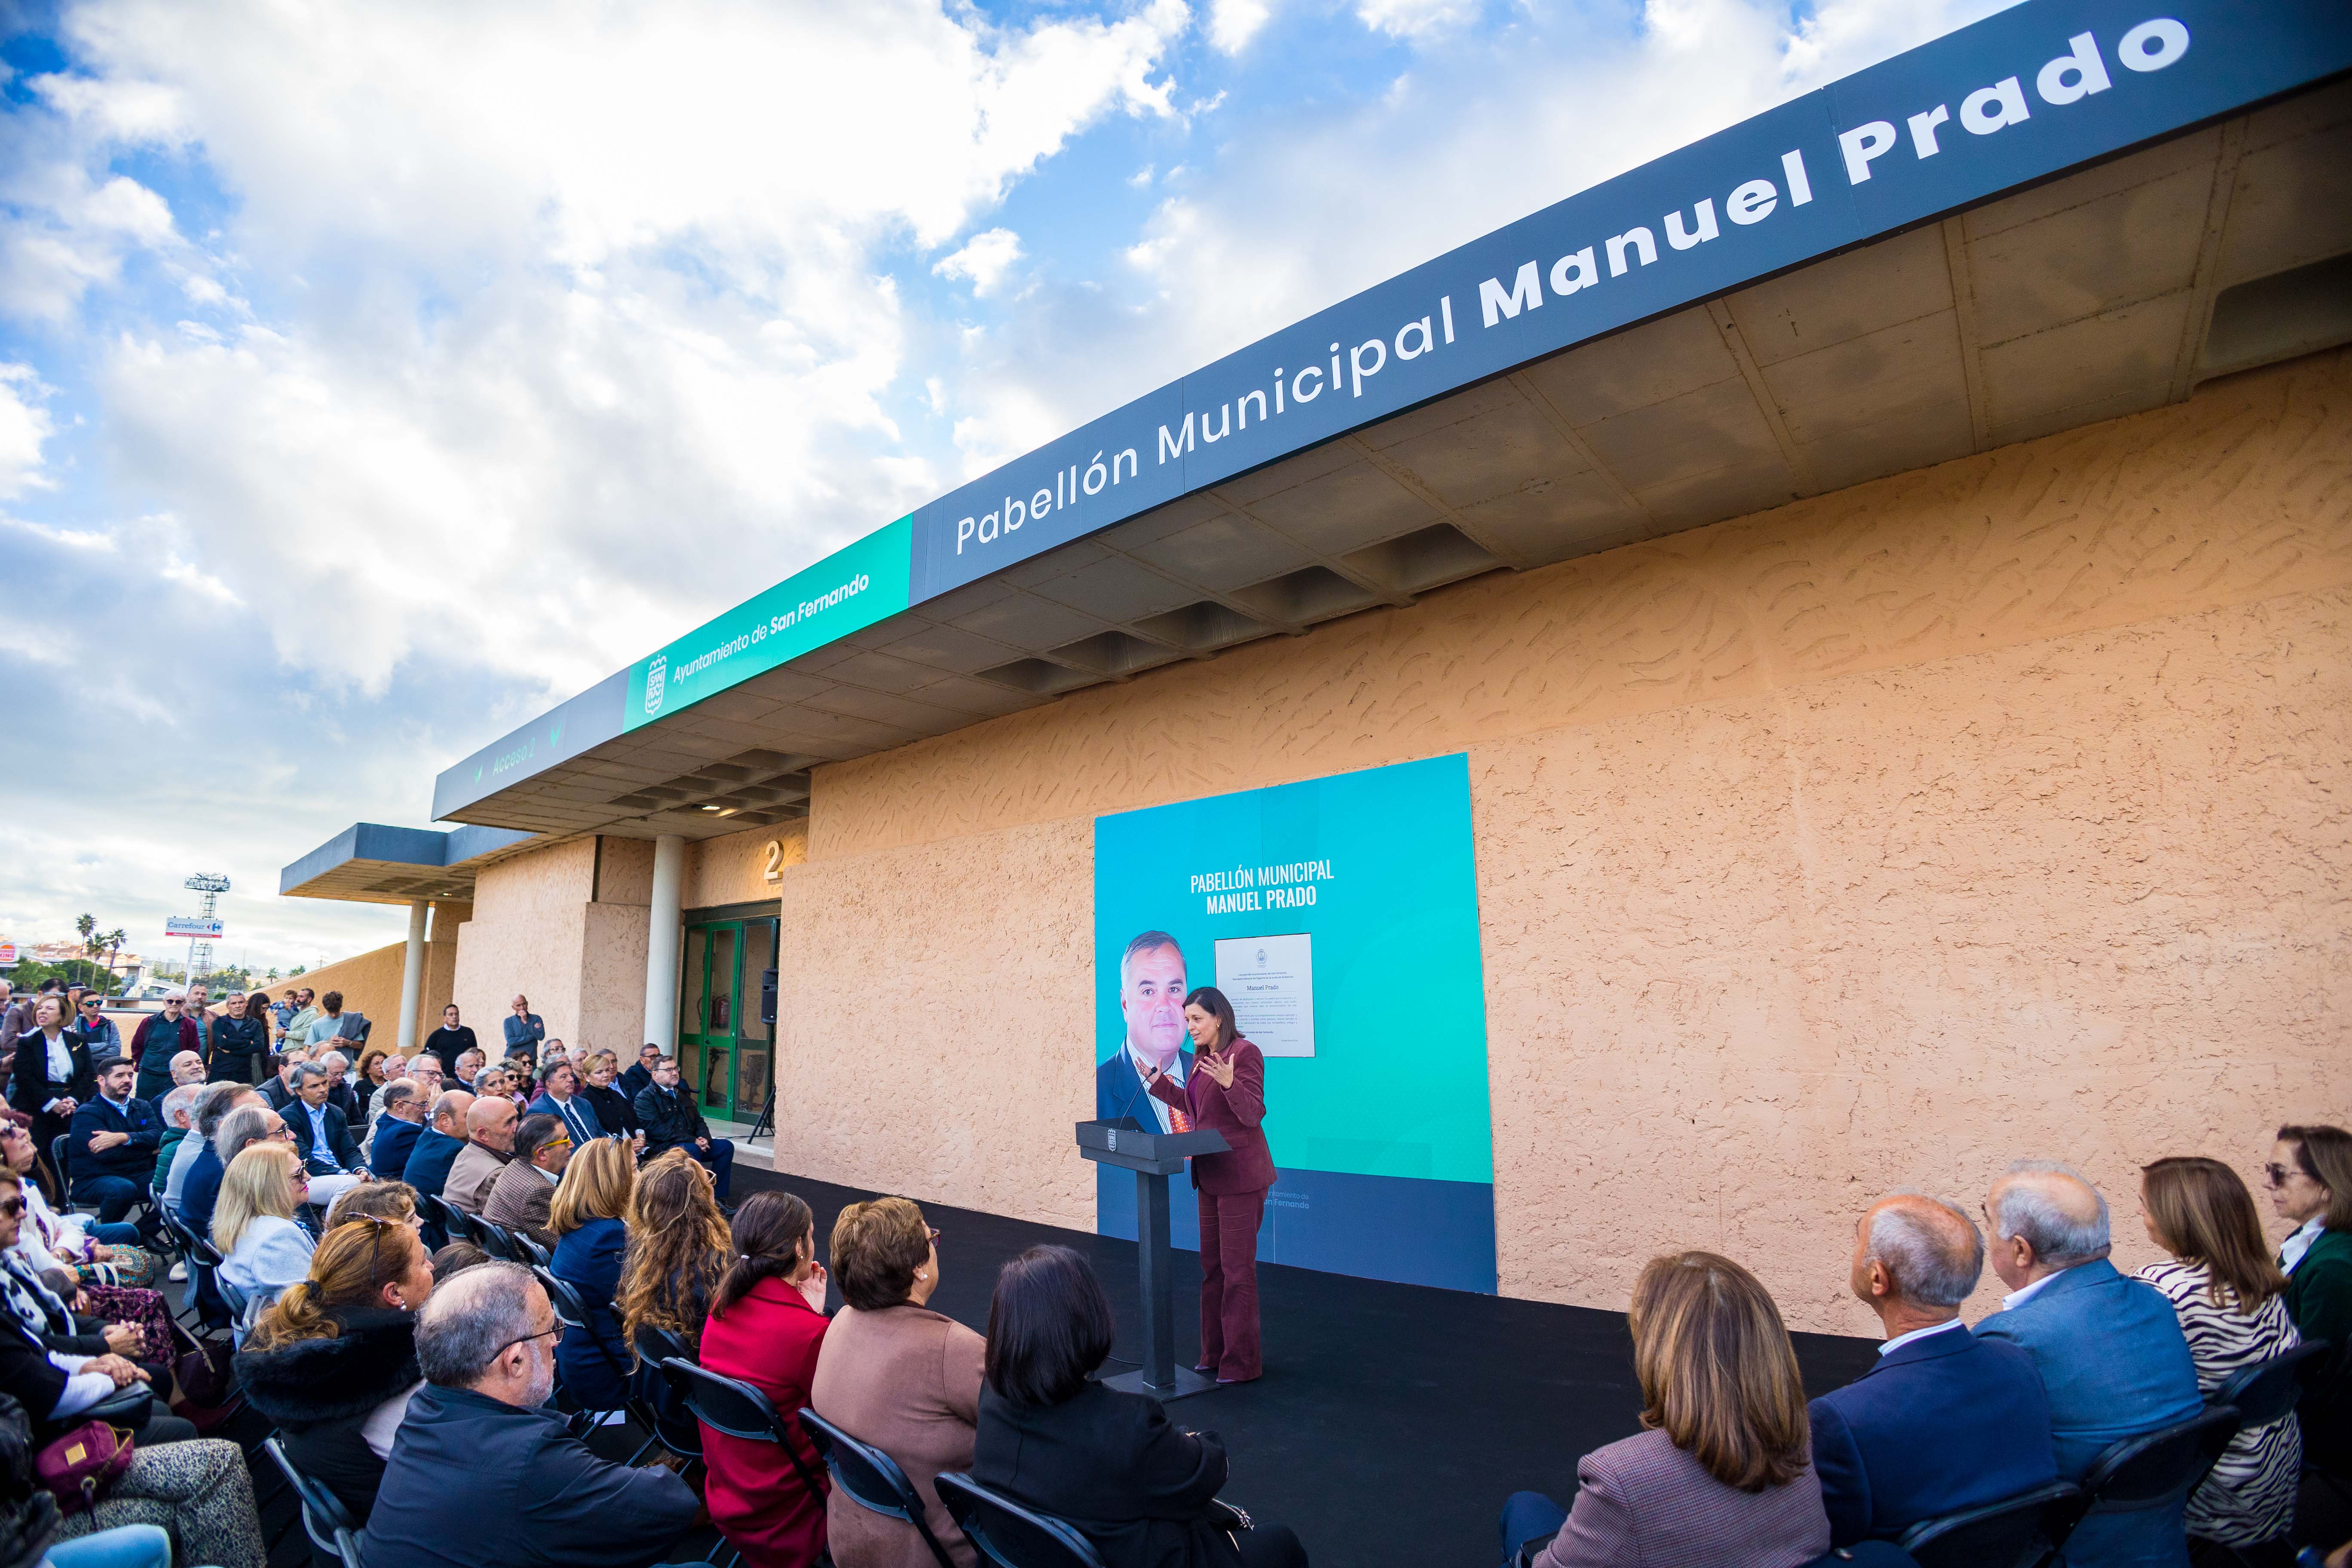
{"x":2292,"y":1249}
{"x":1159,"y":1107}
{"x":1901,"y":1340}
{"x":2018,"y":1298}
{"x":60,"y":1065}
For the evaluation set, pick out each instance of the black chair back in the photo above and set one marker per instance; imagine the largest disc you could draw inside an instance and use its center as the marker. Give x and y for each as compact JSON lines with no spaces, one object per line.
{"x":872,"y":1479}
{"x":496,"y":1240}
{"x":570,"y":1309}
{"x":1010,"y":1535}
{"x":2267,"y":1390}
{"x":324,"y":1519}
{"x":654,"y":1402}
{"x":528,"y":1252}
{"x":2158,"y":1469}
{"x":2013,"y":1532}
{"x":730,"y":1406}
{"x":58,"y":1146}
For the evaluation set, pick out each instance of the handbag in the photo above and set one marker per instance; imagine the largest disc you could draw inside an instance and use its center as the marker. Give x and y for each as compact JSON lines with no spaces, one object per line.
{"x":78,"y":1467}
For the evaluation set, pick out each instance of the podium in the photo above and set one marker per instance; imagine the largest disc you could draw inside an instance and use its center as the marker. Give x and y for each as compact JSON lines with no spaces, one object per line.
{"x":1153,"y":1156}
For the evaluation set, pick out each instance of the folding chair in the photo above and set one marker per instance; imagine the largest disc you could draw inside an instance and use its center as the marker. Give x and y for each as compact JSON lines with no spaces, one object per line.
{"x":730,"y":1406}
{"x":2013,"y":1532}
{"x":2158,"y":1469}
{"x":1012,"y":1536}
{"x":872,"y":1479}
{"x":324,"y":1519}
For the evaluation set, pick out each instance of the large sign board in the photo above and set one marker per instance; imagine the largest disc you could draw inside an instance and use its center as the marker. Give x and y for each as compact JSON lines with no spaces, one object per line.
{"x":2015,"y":98}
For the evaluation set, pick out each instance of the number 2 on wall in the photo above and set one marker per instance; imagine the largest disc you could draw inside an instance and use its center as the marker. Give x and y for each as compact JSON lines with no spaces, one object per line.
{"x":773,"y":871}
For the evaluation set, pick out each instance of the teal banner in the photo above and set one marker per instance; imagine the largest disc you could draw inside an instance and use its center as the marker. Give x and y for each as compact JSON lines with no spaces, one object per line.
{"x":1339,"y":917}
{"x":846,"y":592}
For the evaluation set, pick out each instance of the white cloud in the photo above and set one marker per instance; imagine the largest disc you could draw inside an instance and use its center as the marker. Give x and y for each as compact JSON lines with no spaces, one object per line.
{"x":23,"y":425}
{"x":1416,"y":19}
{"x":984,"y":260}
{"x":1233,"y":23}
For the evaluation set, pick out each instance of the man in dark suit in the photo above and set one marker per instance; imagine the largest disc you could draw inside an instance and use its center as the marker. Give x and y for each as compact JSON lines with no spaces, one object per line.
{"x":1945,"y":1420}
{"x":111,"y":1149}
{"x":1151,"y":1000}
{"x":397,"y":1129}
{"x":2109,"y":1348}
{"x":561,"y":1099}
{"x":672,"y":1121}
{"x":438,"y":1146}
{"x":322,"y":1136}
{"x":280,"y":1090}
{"x":640,"y":1078}
{"x":484,"y":1472}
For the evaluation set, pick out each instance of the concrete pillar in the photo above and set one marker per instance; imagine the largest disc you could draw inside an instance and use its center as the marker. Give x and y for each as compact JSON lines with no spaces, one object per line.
{"x":412,"y":976}
{"x":662,"y":943}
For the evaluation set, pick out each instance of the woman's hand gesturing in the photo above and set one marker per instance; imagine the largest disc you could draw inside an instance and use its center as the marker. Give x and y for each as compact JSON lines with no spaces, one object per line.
{"x":1220,"y":1068}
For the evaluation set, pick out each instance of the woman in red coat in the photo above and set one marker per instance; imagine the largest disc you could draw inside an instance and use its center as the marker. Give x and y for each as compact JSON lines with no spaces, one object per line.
{"x":1226,"y":1093}
{"x":765,"y":1327}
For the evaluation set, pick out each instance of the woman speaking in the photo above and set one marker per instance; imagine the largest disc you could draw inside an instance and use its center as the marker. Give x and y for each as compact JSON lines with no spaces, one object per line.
{"x":1226,"y":1093}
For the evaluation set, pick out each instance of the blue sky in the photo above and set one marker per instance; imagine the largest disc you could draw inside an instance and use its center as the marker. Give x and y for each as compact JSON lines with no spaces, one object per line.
{"x":372,"y":377}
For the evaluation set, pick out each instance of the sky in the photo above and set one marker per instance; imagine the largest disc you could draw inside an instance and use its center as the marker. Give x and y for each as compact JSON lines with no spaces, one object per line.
{"x":374,"y":378}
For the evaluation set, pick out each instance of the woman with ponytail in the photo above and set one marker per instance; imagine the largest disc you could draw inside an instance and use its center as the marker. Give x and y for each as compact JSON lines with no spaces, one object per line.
{"x":333,"y":1360}
{"x":766,"y":1323}
{"x":589,"y":1219}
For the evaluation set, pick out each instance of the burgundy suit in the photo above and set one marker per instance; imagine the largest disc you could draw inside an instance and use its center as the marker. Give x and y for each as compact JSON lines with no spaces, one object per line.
{"x":1232,"y":1188}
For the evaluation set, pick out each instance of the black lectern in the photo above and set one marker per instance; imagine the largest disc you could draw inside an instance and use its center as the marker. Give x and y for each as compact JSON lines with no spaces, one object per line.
{"x":1153,"y":1156}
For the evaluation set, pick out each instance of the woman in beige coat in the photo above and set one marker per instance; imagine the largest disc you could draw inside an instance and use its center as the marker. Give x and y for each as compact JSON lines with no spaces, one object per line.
{"x":895,"y":1376}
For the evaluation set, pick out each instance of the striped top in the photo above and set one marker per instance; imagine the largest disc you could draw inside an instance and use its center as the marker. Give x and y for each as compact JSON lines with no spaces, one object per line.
{"x":2250,"y":1494}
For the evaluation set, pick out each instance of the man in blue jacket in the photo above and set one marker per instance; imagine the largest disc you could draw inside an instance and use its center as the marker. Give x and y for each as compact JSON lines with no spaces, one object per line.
{"x":482,"y":1475}
{"x":110,"y":1149}
{"x":438,"y":1146}
{"x":397,"y":1129}
{"x":1945,"y":1421}
{"x":2112,"y":1356}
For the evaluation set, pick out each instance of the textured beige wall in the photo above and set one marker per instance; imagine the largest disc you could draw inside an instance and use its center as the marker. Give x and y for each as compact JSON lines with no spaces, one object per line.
{"x":732,"y":870}
{"x":529,"y":936}
{"x":625,"y":871}
{"x":1987,"y":811}
{"x":370,"y":982}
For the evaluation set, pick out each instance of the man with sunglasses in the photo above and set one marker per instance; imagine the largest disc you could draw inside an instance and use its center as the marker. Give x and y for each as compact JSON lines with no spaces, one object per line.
{"x":484,"y":1476}
{"x":95,"y":1029}
{"x":159,"y":1037}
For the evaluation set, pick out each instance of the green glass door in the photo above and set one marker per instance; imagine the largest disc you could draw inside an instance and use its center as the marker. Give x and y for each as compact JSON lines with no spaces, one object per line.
{"x":725,"y":1050}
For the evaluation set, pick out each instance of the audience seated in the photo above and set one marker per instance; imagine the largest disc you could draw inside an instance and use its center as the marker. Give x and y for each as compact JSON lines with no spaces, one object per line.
{"x":333,"y":1362}
{"x":588,"y":1220}
{"x":177,"y":1111}
{"x":112,"y":1145}
{"x":525,"y":1189}
{"x":897,"y":1376}
{"x":640,"y":1076}
{"x":766,"y":1325}
{"x":2310,"y":1177}
{"x":672,"y":1120}
{"x":1137,"y":1486}
{"x":1915,"y":1259}
{"x":490,"y":1148}
{"x":438,"y":1146}
{"x":263,"y":1252}
{"x":679,"y":1248}
{"x":1719,"y":1474}
{"x":561,"y":1099}
{"x":2112,"y":1356}
{"x":2230,"y":1299}
{"x":483,"y":1475}
{"x":397,"y":1129}
{"x":323,"y":1134}
{"x":69,"y":1243}
{"x":278,"y":1092}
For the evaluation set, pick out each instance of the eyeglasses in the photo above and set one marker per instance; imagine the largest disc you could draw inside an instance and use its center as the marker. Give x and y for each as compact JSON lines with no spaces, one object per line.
{"x":554,"y":1333}
{"x":2278,"y":1175}
{"x":557,"y":1144}
{"x":92,"y":1005}
{"x":932,"y":1231}
{"x":11,"y":1208}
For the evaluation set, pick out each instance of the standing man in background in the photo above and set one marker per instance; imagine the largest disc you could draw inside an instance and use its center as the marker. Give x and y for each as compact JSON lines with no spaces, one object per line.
{"x":524,"y":1028}
{"x":451,"y":1040}
{"x":159,"y":1037}
{"x":97,"y":1030}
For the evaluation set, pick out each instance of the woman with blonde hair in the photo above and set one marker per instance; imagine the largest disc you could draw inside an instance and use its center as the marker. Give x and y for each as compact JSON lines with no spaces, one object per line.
{"x":2232,"y":1301}
{"x":333,"y":1362}
{"x":589,"y":1219}
{"x":264,"y":1253}
{"x":1722,"y":1470}
{"x":679,"y":1248}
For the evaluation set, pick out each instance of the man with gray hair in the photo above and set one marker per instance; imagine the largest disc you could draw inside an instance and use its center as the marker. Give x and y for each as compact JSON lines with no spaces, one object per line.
{"x":485,"y":1476}
{"x":1945,"y":1421}
{"x":2112,"y":1357}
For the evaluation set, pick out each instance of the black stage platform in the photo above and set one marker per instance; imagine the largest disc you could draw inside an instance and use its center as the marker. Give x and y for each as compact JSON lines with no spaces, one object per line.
{"x":1392,"y":1419}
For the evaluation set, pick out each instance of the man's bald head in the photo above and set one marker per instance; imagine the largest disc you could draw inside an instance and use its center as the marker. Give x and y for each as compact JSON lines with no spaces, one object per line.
{"x":1929,"y":1250}
{"x":2051,"y":1208}
{"x":449,"y":1112}
{"x":491,"y":1121}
